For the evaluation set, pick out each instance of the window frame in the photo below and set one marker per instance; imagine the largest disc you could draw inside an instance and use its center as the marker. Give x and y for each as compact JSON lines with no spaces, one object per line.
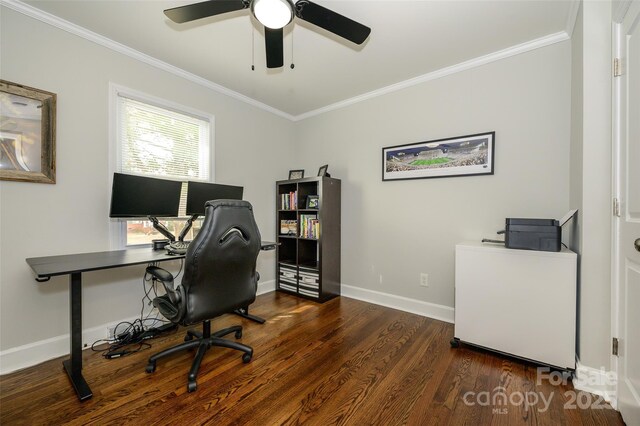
{"x":118,"y":227}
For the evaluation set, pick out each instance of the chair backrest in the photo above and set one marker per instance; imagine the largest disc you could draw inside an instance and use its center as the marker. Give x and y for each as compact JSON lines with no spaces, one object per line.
{"x":220,"y":265}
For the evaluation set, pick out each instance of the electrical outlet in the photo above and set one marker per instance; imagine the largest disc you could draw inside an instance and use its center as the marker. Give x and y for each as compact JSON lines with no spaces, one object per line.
{"x":424,"y":279}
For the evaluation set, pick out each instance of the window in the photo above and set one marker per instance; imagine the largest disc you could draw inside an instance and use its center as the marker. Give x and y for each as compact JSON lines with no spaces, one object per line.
{"x":156,"y":138}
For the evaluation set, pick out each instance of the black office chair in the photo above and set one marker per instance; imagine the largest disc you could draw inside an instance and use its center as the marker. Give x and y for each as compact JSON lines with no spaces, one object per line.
{"x":219,"y":277}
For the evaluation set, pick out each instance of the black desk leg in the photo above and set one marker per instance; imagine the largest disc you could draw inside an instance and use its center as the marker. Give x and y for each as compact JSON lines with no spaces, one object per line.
{"x":73,"y":365}
{"x":244,"y":313}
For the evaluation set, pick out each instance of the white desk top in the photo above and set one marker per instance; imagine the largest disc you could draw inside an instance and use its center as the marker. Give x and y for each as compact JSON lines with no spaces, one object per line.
{"x":477,"y":245}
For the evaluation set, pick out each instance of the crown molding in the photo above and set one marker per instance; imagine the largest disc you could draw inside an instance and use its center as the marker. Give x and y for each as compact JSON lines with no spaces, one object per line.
{"x":572,"y":17}
{"x":463,"y":66}
{"x":79,"y":31}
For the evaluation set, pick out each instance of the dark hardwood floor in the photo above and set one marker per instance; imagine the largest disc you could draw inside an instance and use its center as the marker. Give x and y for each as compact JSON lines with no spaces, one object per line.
{"x":342,"y":362}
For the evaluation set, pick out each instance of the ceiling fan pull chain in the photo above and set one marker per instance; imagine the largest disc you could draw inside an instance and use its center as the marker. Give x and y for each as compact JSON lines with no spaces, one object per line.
{"x":253,"y":54}
{"x":292,"y":65}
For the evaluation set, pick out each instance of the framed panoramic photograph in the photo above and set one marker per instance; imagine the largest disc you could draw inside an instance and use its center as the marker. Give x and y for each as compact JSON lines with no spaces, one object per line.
{"x":27,"y":134}
{"x":460,"y":156}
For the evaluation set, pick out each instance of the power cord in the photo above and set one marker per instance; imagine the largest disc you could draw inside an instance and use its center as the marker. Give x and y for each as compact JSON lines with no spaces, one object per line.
{"x":132,"y":338}
{"x":132,"y":335}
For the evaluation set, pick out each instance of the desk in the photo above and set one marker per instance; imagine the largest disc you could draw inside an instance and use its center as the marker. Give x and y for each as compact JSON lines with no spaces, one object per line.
{"x":74,"y":265}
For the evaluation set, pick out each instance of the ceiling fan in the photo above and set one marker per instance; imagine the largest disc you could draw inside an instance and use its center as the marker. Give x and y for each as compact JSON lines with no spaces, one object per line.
{"x":275,"y":15}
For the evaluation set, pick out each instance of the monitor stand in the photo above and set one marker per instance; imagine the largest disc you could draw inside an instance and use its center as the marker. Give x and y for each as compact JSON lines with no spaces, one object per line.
{"x":161,"y":228}
{"x":186,"y":228}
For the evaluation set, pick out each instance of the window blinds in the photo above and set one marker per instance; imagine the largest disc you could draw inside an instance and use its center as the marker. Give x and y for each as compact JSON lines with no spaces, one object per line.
{"x":159,"y":142}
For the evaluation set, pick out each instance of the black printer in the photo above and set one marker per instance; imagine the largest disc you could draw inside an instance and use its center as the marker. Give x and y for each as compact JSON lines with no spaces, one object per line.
{"x":533,"y":234}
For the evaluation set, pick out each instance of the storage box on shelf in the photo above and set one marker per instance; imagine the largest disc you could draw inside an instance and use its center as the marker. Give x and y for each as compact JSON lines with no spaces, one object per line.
{"x":309,"y":252}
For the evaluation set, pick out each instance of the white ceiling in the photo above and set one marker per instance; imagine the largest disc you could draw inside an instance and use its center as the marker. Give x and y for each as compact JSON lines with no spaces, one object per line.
{"x":408,"y":39}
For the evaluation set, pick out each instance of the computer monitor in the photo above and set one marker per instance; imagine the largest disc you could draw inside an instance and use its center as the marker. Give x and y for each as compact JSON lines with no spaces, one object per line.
{"x":198,"y":193}
{"x":145,"y":197}
{"x":141,"y":197}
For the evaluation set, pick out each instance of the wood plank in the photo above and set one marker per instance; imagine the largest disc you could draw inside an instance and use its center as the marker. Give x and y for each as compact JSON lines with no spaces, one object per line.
{"x":341,"y":362}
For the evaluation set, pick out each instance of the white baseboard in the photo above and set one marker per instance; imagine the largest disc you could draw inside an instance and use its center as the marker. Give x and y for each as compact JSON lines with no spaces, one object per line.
{"x":34,"y":353}
{"x":599,"y":382}
{"x":266,"y":287}
{"x":43,"y":350}
{"x":418,"y":307}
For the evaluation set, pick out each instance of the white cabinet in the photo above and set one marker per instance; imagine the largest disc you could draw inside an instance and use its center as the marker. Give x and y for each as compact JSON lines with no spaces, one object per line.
{"x":520,"y":302}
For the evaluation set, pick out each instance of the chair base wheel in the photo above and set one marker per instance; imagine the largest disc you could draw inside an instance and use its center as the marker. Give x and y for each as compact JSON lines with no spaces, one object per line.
{"x":454,"y":342}
{"x":201,"y":342}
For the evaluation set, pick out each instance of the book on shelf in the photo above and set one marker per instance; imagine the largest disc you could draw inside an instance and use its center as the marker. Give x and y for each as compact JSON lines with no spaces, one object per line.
{"x":288,"y":227}
{"x":309,"y":226}
{"x":288,"y":200}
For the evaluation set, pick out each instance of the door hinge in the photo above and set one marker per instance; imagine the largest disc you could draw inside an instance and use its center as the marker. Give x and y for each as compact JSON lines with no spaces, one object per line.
{"x":616,"y":207}
{"x":617,"y":67}
{"x":614,"y":349}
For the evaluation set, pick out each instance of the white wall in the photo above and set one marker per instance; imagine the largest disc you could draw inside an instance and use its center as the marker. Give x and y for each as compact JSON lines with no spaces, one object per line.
{"x":576,"y":156}
{"x":253,"y":149}
{"x":595,"y":234}
{"x":393,"y":231}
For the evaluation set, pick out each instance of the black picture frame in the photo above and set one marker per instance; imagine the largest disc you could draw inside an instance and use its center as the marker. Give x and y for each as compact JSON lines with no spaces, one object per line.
{"x":322,"y":171}
{"x":296,"y":174}
{"x":313,"y":202}
{"x":468,"y":155}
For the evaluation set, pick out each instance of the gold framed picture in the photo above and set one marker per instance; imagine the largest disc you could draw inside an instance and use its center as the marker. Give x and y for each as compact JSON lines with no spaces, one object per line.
{"x":27,"y":133}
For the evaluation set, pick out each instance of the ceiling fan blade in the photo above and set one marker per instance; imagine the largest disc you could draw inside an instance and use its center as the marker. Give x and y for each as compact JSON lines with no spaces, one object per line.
{"x":204,"y":9}
{"x":332,"y":21}
{"x":273,"y":41}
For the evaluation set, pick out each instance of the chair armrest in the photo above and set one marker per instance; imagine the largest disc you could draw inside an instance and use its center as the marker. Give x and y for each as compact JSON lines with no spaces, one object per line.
{"x":161,"y":274}
{"x":167,"y":281}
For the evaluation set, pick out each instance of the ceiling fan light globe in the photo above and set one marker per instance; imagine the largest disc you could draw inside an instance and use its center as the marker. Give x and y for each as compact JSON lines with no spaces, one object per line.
{"x":274,"y":14}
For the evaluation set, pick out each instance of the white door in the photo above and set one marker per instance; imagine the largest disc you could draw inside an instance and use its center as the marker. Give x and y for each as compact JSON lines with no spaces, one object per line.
{"x":628,"y":223}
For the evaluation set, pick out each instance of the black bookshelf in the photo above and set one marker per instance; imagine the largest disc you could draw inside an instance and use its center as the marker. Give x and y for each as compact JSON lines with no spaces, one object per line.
{"x":307,"y":266}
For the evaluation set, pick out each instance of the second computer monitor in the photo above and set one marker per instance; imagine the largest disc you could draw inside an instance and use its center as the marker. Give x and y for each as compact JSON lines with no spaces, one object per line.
{"x":198,"y":193}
